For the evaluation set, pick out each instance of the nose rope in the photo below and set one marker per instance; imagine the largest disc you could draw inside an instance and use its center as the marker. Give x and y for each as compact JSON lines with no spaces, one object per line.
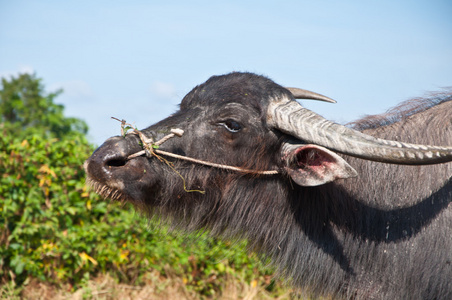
{"x":151,"y":149}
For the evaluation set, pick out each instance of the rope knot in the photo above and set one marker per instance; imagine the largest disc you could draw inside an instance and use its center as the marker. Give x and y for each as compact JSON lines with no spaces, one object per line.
{"x":151,"y":149}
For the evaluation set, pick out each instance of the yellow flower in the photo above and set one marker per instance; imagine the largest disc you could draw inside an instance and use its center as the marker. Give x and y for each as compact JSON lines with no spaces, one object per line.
{"x":86,"y":257}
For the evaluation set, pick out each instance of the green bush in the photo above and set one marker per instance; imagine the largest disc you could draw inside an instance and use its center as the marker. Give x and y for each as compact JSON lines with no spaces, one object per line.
{"x":54,"y":229}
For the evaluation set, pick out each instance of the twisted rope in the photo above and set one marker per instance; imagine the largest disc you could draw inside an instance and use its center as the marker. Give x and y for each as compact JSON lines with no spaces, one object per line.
{"x":151,"y":149}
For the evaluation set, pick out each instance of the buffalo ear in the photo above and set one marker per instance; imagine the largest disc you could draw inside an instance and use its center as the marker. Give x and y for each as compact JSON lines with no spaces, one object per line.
{"x":312,"y":165}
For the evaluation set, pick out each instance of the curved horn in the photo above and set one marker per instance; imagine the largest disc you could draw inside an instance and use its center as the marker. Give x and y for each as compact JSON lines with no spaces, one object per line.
{"x":290,"y":117}
{"x":305,"y":94}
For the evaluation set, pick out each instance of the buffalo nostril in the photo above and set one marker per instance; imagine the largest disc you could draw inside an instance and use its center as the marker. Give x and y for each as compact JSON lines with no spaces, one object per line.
{"x":116,"y":162}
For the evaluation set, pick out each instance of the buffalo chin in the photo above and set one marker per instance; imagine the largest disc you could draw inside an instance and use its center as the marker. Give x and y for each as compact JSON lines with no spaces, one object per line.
{"x":107,"y":192}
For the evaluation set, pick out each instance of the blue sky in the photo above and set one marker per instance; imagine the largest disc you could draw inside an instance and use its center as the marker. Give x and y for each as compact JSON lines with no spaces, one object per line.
{"x":136,"y":59}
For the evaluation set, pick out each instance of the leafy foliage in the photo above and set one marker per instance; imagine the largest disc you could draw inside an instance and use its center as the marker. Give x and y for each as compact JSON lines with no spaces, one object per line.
{"x":54,"y":229}
{"x":26,"y":108}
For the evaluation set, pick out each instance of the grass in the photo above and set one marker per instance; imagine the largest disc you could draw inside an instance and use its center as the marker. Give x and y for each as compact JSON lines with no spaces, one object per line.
{"x":156,"y":286}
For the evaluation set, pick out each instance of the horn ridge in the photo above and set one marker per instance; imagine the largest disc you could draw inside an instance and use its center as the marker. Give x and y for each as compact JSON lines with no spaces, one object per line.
{"x":292,"y":118}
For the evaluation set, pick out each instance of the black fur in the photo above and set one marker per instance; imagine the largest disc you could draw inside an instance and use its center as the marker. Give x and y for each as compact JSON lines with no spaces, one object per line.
{"x":384,"y":235}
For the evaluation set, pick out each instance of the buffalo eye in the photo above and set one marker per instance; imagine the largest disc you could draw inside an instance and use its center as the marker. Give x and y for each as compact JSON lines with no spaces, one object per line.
{"x":231,"y":125}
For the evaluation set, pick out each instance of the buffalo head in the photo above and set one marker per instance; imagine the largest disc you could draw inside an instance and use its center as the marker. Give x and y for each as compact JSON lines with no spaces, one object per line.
{"x":249,"y":122}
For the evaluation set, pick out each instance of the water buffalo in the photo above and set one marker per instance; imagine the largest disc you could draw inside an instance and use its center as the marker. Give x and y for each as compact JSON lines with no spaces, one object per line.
{"x":352,"y":212}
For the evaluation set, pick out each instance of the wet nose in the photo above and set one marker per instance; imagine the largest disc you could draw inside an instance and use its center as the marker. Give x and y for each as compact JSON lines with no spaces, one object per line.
{"x":111,"y":156}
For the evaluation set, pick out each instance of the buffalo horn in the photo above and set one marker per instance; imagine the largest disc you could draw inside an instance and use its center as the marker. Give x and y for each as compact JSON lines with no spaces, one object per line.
{"x":290,"y":117}
{"x":305,"y":94}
